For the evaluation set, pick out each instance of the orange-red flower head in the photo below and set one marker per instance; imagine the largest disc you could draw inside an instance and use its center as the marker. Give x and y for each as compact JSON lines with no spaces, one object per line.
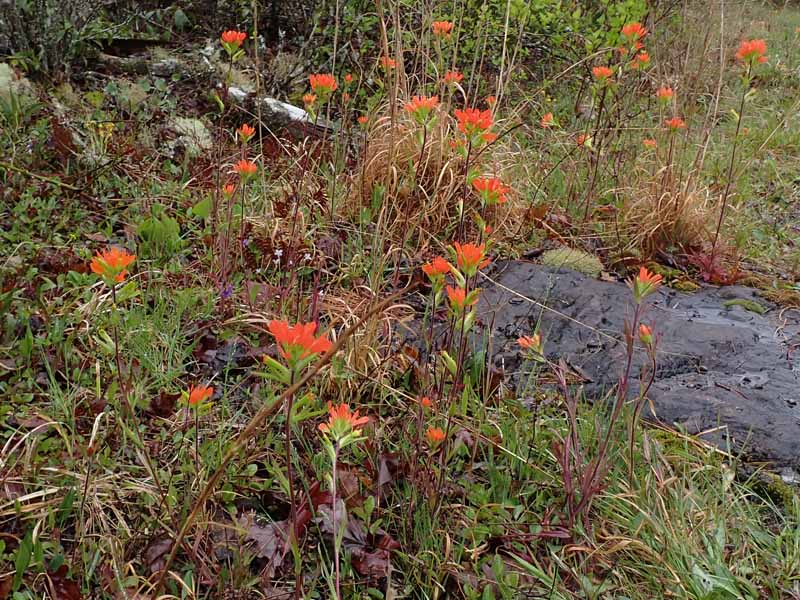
{"x":388,"y":63}
{"x":341,"y":422}
{"x":112,"y":264}
{"x":348,"y":78}
{"x":602,"y":74}
{"x":232,"y":39}
{"x":752,"y":51}
{"x":453,"y":77}
{"x":645,"y":334}
{"x":459,"y":299}
{"x":644,"y":284}
{"x":442,"y":28}
{"x":531,"y":342}
{"x":473,"y":122}
{"x":426,"y":402}
{"x":363,"y":120}
{"x":297,"y":342}
{"x":198,"y":394}
{"x":664,"y":94}
{"x":437,"y":269}
{"x":245,"y":168}
{"x":634,"y":32}
{"x":323,"y":85}
{"x":435,"y":436}
{"x":675,"y":123}
{"x":640,"y":61}
{"x":420,"y":107}
{"x":470,"y":257}
{"x":649,"y":143}
{"x":491,"y":190}
{"x":491,"y":100}
{"x":309,"y":100}
{"x":245,"y":132}
{"x":547,"y":120}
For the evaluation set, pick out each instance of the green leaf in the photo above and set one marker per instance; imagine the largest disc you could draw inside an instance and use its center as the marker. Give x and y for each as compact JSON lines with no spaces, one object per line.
{"x":181,"y":20}
{"x":202,"y":209}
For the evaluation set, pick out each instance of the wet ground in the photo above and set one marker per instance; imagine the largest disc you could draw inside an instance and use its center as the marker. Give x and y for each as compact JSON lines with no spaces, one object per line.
{"x":725,"y":372}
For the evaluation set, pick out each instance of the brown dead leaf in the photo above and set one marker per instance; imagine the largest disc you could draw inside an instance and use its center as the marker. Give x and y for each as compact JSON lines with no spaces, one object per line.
{"x":155,"y":554}
{"x":164,"y":404}
{"x":269,"y":540}
{"x":63,"y":588}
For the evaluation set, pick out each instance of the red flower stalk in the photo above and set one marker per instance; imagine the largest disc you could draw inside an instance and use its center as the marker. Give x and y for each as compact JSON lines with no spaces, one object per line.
{"x":442,"y":28}
{"x":245,"y":169}
{"x":473,"y":122}
{"x":341,"y":422}
{"x":298,"y":342}
{"x":233,"y":38}
{"x":323,"y":85}
{"x":437,"y":268}
{"x":112,"y":264}
{"x":458,"y":298}
{"x":245,"y":132}
{"x":664,"y":94}
{"x":420,"y":107}
{"x":640,"y":61}
{"x":634,"y":31}
{"x":752,"y":51}
{"x":645,"y":334}
{"x":644,"y":284}
{"x":453,"y":77}
{"x":435,"y":436}
{"x":602,"y":74}
{"x":528,"y":342}
{"x":675,"y":123}
{"x":470,"y":258}
{"x":198,"y":394}
{"x":491,"y":190}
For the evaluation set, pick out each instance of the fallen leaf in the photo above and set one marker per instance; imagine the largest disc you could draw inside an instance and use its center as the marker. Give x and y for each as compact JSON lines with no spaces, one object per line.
{"x":63,"y":588}
{"x":155,"y":554}
{"x":164,"y":404}
{"x":269,"y":540}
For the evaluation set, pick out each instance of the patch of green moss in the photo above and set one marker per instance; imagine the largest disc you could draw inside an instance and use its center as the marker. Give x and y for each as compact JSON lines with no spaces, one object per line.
{"x":750,"y":305}
{"x":685,"y":285}
{"x":585,"y":263}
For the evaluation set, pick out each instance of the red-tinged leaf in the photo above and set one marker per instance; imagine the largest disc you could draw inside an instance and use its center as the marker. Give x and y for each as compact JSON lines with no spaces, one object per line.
{"x":5,"y":587}
{"x":156,"y":553}
{"x":63,"y":588}
{"x":269,"y":541}
{"x":164,"y":404}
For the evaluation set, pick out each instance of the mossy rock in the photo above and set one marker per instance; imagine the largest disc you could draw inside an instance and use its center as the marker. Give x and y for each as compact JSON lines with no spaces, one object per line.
{"x":580,"y":261}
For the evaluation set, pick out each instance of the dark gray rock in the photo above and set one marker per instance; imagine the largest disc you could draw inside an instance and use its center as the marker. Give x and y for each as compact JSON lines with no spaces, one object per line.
{"x":721,"y":369}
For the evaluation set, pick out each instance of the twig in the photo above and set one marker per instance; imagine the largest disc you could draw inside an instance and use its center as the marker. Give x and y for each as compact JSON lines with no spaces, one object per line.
{"x":52,"y":180}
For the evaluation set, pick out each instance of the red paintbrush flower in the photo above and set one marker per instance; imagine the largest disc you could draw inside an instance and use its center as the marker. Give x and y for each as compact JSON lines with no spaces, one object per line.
{"x":112,"y":264}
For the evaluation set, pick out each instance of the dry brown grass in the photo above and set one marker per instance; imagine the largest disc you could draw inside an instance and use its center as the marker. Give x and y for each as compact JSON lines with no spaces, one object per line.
{"x":657,"y":220}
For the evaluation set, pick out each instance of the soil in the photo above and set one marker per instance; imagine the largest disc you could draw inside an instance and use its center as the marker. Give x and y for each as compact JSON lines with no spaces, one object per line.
{"x":724,"y":372}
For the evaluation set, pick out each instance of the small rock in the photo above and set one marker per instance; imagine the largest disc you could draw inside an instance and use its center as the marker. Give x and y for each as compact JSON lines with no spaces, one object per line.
{"x":193,"y":134}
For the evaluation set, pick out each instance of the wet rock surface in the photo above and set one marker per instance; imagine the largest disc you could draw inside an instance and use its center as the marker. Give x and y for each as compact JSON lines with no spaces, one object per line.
{"x":725,"y":372}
